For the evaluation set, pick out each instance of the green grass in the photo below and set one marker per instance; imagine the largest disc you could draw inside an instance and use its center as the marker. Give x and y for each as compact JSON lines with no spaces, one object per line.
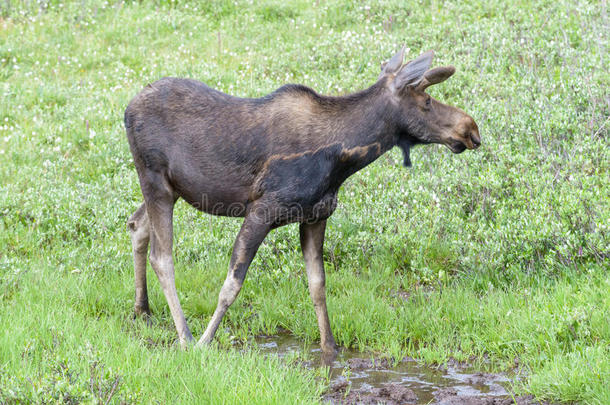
{"x":504,"y":251}
{"x":75,"y":353}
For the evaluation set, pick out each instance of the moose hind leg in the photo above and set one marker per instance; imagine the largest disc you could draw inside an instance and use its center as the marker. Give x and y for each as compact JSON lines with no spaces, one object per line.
{"x":139,"y":230}
{"x":160,"y":206}
{"x":249,"y":238}
{"x":312,"y":241}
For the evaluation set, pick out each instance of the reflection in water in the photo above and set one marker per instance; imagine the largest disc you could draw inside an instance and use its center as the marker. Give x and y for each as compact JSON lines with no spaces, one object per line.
{"x":366,"y":373}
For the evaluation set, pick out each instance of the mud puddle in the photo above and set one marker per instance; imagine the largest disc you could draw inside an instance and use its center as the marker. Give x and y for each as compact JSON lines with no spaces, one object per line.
{"x":358,"y":379}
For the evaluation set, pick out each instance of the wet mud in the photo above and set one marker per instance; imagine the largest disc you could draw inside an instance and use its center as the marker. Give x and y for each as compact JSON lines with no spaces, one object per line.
{"x":356,"y":378}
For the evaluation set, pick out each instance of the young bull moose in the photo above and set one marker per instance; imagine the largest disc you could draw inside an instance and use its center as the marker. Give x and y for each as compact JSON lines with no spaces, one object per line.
{"x":273,"y":160}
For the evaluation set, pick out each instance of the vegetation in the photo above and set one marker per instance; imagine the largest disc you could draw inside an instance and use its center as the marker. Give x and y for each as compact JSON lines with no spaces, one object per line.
{"x":499,"y":254}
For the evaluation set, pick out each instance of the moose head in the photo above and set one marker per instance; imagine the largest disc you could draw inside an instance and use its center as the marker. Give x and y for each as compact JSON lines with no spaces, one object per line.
{"x":421,"y":118}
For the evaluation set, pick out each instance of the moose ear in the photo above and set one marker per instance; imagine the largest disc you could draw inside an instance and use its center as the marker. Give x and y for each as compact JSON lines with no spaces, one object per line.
{"x":435,"y":76}
{"x":412,"y":73}
{"x":393,"y":64}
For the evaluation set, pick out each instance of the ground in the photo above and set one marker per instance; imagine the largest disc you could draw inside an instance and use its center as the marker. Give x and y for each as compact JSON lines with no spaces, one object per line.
{"x":498,"y":256}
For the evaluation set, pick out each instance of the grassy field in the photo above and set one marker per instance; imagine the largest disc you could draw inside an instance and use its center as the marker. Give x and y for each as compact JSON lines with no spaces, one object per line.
{"x":499,"y":255}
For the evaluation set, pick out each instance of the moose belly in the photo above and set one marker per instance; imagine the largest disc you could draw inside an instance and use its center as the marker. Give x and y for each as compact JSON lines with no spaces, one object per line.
{"x":217,"y":190}
{"x":214,"y":197}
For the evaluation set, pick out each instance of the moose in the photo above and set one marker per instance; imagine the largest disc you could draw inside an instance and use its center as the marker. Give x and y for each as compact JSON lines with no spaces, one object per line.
{"x":274,"y":160}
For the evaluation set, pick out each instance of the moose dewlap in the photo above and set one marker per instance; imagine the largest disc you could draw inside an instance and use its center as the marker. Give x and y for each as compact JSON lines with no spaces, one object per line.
{"x":273,"y":160}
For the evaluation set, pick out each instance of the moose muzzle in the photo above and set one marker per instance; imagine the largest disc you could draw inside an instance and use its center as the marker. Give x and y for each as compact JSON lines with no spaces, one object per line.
{"x":464,"y":136}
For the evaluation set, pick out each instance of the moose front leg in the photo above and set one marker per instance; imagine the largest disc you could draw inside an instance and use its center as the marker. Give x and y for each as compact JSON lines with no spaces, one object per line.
{"x":312,"y":241}
{"x":251,"y":235}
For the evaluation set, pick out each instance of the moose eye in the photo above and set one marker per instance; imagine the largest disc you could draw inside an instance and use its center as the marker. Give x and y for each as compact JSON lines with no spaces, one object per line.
{"x":428,"y":102}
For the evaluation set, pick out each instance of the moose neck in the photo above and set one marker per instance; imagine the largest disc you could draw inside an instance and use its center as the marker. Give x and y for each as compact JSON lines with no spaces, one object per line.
{"x":359,"y":127}
{"x":363,"y":119}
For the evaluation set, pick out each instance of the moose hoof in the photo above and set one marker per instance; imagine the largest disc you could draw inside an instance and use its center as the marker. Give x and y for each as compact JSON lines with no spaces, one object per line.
{"x":141,"y":311}
{"x":328,"y":358}
{"x":329,"y":355}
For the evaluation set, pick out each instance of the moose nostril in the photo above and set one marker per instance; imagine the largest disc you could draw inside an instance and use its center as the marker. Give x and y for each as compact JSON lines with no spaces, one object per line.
{"x":476,"y":140}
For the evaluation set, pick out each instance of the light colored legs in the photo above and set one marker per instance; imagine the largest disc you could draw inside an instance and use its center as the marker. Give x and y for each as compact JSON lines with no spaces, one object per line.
{"x":139,"y":230}
{"x":163,"y":264}
{"x":251,"y":235}
{"x":160,"y":207}
{"x":312,"y":241}
{"x":152,"y":223}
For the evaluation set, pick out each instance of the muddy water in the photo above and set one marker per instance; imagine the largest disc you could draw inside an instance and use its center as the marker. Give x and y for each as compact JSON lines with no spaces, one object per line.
{"x":356,"y":378}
